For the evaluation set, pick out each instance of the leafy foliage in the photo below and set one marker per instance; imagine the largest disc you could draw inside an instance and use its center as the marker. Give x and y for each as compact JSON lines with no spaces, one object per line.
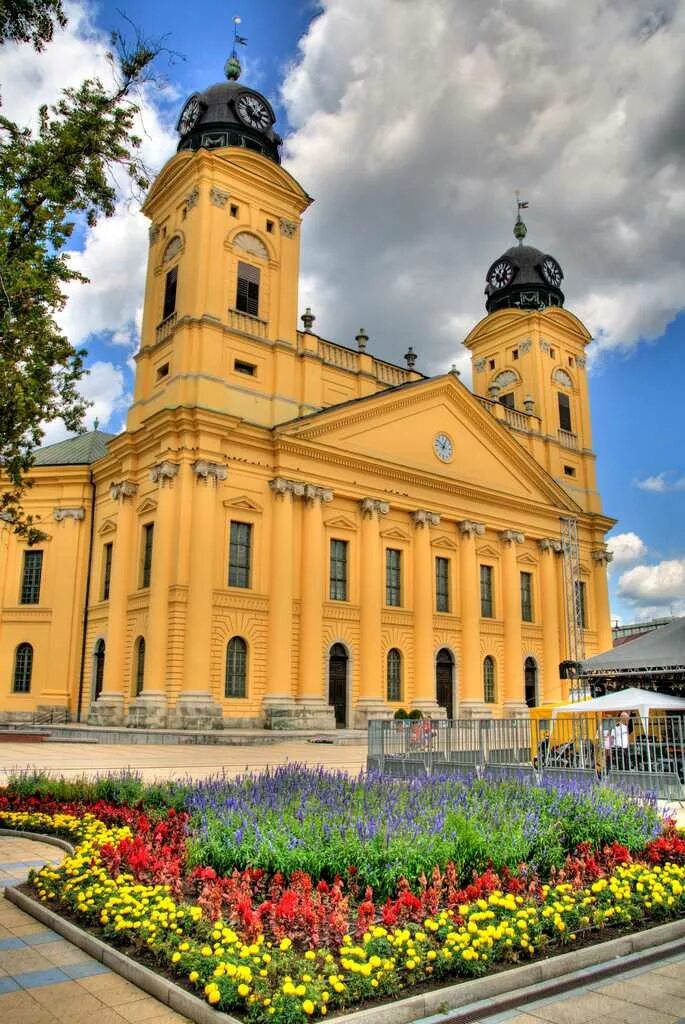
{"x":30,"y":21}
{"x":50,"y":177}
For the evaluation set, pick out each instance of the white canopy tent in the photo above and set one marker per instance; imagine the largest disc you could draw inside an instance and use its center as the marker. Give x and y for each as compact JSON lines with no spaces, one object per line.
{"x":632,"y":699}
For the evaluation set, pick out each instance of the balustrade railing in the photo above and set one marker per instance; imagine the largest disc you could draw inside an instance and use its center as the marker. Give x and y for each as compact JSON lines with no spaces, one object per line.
{"x":567,"y":439}
{"x":247,"y":324}
{"x":389,"y":374}
{"x":336,"y":355}
{"x":166,"y":327}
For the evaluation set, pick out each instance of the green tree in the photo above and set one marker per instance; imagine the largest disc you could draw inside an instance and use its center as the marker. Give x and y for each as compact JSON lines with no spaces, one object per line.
{"x":50,"y":176}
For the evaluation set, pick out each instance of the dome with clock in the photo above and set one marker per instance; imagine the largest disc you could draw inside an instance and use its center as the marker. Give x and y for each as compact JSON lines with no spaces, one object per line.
{"x":229,"y":114}
{"x":524,"y":277}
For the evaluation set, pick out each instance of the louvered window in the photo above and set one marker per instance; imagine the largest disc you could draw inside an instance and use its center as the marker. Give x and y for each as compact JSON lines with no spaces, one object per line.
{"x":247,"y":296}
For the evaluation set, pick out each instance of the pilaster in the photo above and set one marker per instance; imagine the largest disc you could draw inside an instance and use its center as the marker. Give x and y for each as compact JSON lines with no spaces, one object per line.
{"x":108,"y":709}
{"x":550,"y":548}
{"x":513,"y":695}
{"x":371,"y":703}
{"x":313,"y":710}
{"x":278,"y":700}
{"x":601,"y":557}
{"x":470,"y":681}
{"x":424,"y":667}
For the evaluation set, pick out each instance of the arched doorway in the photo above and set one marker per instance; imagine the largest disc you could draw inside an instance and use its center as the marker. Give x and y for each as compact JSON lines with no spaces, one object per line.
{"x":530,"y":675}
{"x":98,"y":668}
{"x":444,"y":680}
{"x":337,"y":683}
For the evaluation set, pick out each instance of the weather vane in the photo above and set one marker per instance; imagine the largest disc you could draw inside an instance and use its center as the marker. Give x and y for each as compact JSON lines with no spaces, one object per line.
{"x":520,"y":229}
{"x":233,"y":66}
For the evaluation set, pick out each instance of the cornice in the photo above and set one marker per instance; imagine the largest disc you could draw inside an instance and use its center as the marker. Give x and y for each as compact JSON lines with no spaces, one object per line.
{"x":24,"y":613}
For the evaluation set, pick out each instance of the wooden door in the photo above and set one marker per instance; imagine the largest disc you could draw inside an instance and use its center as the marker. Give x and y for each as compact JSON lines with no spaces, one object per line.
{"x":337,"y":684}
{"x":444,"y":681}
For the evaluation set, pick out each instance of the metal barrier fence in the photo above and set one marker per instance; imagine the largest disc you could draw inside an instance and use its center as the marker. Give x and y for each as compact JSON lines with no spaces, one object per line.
{"x":631,"y":752}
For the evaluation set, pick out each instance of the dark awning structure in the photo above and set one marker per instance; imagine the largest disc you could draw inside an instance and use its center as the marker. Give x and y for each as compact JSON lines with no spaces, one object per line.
{"x":659,"y":653}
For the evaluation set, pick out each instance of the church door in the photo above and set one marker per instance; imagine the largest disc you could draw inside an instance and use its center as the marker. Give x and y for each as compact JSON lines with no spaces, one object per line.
{"x":444,"y":681}
{"x":337,"y":683}
{"x":530,"y":674}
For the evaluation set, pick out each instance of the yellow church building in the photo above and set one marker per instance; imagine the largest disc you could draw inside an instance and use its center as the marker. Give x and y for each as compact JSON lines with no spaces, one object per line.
{"x":292,"y":532}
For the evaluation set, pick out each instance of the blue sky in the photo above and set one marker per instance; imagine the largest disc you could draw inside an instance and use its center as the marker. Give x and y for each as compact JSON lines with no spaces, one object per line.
{"x":412,"y":124}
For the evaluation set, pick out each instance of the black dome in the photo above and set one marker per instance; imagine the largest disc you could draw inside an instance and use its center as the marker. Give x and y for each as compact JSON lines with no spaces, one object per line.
{"x":211,"y":119}
{"x":524,"y":277}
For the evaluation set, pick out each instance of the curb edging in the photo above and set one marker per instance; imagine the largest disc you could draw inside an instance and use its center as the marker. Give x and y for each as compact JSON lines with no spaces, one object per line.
{"x":471,"y":1000}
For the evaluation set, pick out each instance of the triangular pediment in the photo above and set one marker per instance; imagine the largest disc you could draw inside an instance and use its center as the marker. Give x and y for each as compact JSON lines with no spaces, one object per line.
{"x":394,"y":533}
{"x":487,"y":551}
{"x":407,"y":428}
{"x":341,"y":523}
{"x":443,"y":542}
{"x":146,"y":505}
{"x":243,"y":503}
{"x":108,"y":526}
{"x":526,"y":559}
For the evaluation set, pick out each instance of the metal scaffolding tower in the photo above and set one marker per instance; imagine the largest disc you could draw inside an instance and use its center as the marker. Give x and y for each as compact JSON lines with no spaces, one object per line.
{"x":573,"y":591}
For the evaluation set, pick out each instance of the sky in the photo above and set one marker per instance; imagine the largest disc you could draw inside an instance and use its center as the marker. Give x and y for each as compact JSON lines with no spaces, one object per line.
{"x":412,"y":123}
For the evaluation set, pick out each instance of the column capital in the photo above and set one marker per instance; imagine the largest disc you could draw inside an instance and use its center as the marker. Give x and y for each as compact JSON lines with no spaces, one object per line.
{"x":471,"y":529}
{"x":162,"y":471}
{"x":602,"y":556}
{"x":371,"y":507}
{"x":205,"y":471}
{"x":421,"y":518}
{"x":58,"y":514}
{"x":123,"y":489}
{"x":550,"y":544}
{"x":512,"y":537}
{"x":312,"y":494}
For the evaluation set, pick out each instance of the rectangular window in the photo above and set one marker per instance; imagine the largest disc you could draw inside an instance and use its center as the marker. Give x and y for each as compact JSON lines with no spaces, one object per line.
{"x":338,"y":579}
{"x":442,"y":584}
{"x":249,"y":369}
{"x":393,"y":577}
{"x":486,"y":604}
{"x":527,"y":596}
{"x":508,"y":400}
{"x":146,"y":559}
{"x":170,"y":293}
{"x":569,"y":471}
{"x":515,"y":354}
{"x":162,"y":371}
{"x":247,"y":295}
{"x":106,"y":570}
{"x":564,"y":411}
{"x":30,"y":579}
{"x":581,"y":606}
{"x":239,"y":555}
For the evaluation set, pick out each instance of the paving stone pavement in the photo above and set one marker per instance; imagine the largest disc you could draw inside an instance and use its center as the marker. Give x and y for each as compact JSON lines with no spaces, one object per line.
{"x":46,"y":980}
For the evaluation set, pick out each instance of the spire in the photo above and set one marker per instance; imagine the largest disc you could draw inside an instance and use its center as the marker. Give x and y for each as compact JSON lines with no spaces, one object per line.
{"x":233,"y":67}
{"x":520,"y":229}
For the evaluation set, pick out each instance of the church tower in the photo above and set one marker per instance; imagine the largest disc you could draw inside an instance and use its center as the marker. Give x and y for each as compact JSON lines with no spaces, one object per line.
{"x":529,"y":365}
{"x":222,"y":277}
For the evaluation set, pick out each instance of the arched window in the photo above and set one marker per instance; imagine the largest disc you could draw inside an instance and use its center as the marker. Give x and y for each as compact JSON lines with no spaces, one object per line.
{"x":23,"y":666}
{"x":394,"y":674}
{"x":489,"y":688}
{"x":98,"y":668}
{"x":530,"y":676}
{"x":236,"y":667}
{"x":140,"y":665}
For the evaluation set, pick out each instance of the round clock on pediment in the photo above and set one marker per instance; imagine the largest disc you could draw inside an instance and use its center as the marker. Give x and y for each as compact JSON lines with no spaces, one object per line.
{"x":189,"y":114}
{"x":252,"y":111}
{"x":500,"y":274}
{"x":443,"y":447}
{"x":551,"y":271}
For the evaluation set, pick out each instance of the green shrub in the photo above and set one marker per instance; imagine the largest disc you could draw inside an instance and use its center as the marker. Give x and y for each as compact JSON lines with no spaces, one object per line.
{"x":401,"y":714}
{"x":415,"y":714}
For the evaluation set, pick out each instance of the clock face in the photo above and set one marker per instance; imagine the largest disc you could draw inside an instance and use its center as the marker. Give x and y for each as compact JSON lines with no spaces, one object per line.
{"x":252,"y":111}
{"x":551,"y":271}
{"x":501,"y":274}
{"x":443,"y":447}
{"x":189,"y":115}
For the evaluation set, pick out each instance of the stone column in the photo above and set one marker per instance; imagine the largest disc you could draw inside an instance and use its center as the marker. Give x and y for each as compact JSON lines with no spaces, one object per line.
{"x":108,"y":709}
{"x":313,"y":710}
{"x":471,"y":703}
{"x":513,"y":694}
{"x":196,"y":708}
{"x":371,"y":703}
{"x":279,"y":707}
{"x":149,"y":709}
{"x":601,"y":558}
{"x":424,"y":662}
{"x":549,"y":611}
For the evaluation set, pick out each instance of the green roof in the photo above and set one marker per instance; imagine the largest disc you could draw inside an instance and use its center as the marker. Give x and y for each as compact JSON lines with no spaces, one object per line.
{"x":81,"y":450}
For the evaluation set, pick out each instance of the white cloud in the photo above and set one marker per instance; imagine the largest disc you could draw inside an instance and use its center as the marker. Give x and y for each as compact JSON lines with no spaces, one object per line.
{"x":660,"y":483}
{"x":114,"y":253}
{"x":626,"y":547}
{"x":416,"y":121}
{"x":654,"y":585}
{"x":103,"y":385}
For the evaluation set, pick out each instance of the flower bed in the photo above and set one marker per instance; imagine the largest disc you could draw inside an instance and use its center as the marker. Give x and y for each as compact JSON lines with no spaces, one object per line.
{"x":269,"y":943}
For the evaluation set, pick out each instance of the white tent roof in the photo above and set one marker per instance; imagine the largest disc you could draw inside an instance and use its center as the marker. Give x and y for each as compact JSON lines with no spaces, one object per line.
{"x":632,"y":699}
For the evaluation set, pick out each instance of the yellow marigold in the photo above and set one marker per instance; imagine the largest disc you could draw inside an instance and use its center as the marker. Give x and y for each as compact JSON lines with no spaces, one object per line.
{"x":308,"y":1006}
